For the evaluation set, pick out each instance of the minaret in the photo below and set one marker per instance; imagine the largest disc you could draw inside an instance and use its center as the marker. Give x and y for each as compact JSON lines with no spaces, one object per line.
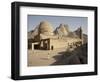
{"x":81,"y":34}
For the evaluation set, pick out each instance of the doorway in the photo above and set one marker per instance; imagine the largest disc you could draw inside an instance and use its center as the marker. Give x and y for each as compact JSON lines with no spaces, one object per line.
{"x":52,"y":47}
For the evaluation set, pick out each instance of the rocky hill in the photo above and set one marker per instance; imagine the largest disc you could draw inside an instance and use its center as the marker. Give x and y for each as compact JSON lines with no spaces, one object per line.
{"x":33,"y":33}
{"x":45,"y":28}
{"x":62,"y":30}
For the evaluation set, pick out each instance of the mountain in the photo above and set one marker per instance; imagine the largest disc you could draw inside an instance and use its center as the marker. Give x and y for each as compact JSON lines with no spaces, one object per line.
{"x":77,"y":32}
{"x":46,"y":29}
{"x":85,"y":38}
{"x":72,"y":35}
{"x":62,"y":30}
{"x":33,"y":33}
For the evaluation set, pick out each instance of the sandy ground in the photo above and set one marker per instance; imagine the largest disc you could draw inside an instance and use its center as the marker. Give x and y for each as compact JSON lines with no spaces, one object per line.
{"x":43,"y":57}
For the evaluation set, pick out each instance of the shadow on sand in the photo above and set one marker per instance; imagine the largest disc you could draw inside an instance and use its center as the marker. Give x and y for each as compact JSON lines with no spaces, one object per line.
{"x":77,"y":56}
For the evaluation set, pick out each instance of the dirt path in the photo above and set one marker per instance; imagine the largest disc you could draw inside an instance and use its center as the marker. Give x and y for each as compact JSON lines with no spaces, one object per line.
{"x":42,"y":57}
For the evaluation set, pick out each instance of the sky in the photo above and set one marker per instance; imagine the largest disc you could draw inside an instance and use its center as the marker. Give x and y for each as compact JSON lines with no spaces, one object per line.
{"x":72,"y":21}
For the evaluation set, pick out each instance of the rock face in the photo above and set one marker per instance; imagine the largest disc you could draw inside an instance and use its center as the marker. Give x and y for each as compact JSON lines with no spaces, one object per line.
{"x":30,"y":34}
{"x":62,"y":30}
{"x":78,"y":32}
{"x":33,"y":33}
{"x":81,"y":35}
{"x":45,"y":28}
{"x":72,"y":34}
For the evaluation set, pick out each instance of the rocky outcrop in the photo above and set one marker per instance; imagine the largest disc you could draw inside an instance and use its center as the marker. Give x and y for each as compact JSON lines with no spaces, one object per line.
{"x":78,"y":32}
{"x":45,"y":29}
{"x":72,"y":35}
{"x":33,"y":33}
{"x":62,"y":30}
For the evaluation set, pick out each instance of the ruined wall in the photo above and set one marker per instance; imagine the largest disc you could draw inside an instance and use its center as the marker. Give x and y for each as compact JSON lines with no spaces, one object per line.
{"x":60,"y":43}
{"x":56,"y":43}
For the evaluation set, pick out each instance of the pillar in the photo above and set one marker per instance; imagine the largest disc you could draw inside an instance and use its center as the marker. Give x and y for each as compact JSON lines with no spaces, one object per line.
{"x":32,"y":46}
